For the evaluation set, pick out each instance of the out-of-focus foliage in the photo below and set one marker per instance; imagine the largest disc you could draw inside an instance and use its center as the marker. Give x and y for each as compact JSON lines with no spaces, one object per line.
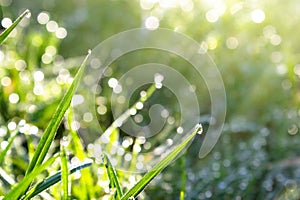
{"x":253,"y":43}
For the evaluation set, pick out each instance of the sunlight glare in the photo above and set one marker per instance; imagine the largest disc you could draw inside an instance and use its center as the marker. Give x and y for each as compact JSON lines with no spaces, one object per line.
{"x":152,"y":23}
{"x":6,"y":22}
{"x":258,"y":16}
{"x":43,"y":18}
{"x":14,"y":98}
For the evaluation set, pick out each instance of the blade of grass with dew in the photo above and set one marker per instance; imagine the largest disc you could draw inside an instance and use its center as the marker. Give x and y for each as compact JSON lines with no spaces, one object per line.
{"x":183,"y":176}
{"x":112,"y":175}
{"x":53,"y":180}
{"x":3,"y":153}
{"x":22,"y":186}
{"x":137,"y":188}
{"x":7,"y":31}
{"x":86,"y":180}
{"x":54,"y":123}
{"x":64,"y":172}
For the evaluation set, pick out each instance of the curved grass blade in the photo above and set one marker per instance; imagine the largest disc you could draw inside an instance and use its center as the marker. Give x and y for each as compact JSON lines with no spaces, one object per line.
{"x":57,"y":117}
{"x":48,"y":182}
{"x":22,"y":186}
{"x":112,"y":175}
{"x":7,"y":31}
{"x":3,"y":153}
{"x":64,"y":172}
{"x":138,"y":188}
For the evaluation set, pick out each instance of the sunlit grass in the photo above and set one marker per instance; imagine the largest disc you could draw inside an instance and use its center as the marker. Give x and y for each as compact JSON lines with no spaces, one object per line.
{"x":36,"y":165}
{"x":255,"y":46}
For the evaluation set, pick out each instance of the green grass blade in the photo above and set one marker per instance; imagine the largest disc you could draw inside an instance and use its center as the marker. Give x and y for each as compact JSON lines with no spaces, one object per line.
{"x":3,"y":153}
{"x":183,"y":177}
{"x":22,"y":186}
{"x":112,"y":175}
{"x":52,"y":127}
{"x":7,"y":31}
{"x":87,"y":186}
{"x":76,"y":142}
{"x":64,"y":172}
{"x":135,"y":190}
{"x":48,"y":182}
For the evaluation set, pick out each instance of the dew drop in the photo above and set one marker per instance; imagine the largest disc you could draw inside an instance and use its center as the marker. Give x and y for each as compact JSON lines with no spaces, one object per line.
{"x":293,"y":130}
{"x":199,"y":129}
{"x":28,"y":13}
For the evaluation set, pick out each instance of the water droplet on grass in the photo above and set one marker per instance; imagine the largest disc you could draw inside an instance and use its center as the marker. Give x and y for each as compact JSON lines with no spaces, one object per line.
{"x":28,"y":13}
{"x":293,"y":130}
{"x":199,"y":128}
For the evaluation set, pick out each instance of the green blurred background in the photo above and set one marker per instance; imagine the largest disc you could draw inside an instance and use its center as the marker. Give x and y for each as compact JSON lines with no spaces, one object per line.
{"x":253,"y":43}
